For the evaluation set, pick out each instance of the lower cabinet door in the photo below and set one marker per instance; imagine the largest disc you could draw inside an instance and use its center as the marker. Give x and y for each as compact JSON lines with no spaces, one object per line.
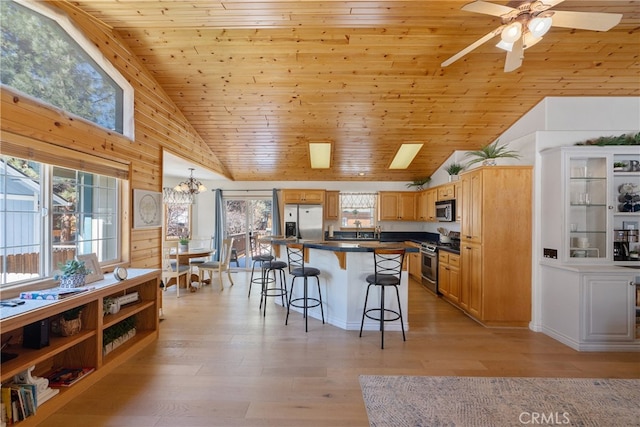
{"x":609,"y":308}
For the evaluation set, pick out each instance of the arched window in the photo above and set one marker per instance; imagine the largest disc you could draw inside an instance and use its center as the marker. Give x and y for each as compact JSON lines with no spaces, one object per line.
{"x":45,"y":56}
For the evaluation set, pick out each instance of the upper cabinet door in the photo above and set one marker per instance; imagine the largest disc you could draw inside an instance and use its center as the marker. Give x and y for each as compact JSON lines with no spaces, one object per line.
{"x":587,"y":206}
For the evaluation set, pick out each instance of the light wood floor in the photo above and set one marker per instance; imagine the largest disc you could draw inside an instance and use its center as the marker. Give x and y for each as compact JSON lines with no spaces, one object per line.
{"x":218,"y":362}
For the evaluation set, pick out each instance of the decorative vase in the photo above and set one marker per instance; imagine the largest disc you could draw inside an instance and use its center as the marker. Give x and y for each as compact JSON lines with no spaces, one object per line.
{"x":454,"y":178}
{"x":489,"y":162}
{"x":73,"y":281}
{"x":183,"y":248}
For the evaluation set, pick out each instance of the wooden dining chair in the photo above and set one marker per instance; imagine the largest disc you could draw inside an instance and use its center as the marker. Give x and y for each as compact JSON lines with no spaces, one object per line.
{"x":219,"y":266}
{"x":172,"y":270}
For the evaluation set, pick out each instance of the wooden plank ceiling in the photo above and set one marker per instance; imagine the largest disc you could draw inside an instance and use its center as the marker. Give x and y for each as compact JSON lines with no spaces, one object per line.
{"x":258,"y":80}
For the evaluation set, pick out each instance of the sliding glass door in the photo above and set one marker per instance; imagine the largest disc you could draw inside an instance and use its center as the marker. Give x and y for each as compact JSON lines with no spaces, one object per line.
{"x":246,"y":217}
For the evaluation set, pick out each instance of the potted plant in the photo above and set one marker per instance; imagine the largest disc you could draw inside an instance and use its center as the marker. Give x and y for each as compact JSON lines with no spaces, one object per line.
{"x":619,"y":166}
{"x":453,"y":170}
{"x":419,"y":183}
{"x":183,"y":244}
{"x":72,"y":274}
{"x":490,"y":152}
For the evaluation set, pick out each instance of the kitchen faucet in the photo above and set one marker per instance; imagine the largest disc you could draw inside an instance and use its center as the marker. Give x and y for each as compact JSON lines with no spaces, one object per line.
{"x":358,"y":229}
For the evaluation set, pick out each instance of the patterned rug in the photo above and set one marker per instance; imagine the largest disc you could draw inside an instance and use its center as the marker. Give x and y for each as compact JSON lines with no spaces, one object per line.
{"x":397,"y":401}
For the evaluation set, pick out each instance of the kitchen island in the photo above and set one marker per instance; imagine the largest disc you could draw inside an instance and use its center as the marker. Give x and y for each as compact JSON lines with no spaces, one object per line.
{"x":344,"y":267}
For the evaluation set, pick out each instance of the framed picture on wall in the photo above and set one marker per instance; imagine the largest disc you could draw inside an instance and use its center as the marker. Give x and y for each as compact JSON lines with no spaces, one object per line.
{"x":147,"y":209}
{"x":91,"y":262}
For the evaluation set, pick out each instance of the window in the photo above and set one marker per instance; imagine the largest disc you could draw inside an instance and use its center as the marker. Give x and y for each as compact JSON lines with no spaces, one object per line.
{"x":49,"y":214}
{"x":45,"y":56}
{"x":358,"y":209}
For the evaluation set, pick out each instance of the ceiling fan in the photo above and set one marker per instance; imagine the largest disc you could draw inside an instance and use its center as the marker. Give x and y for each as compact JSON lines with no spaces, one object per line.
{"x":524,"y":26}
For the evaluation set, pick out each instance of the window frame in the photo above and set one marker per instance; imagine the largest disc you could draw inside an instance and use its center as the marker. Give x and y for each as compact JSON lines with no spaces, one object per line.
{"x":47,"y":215}
{"x":127,"y":113}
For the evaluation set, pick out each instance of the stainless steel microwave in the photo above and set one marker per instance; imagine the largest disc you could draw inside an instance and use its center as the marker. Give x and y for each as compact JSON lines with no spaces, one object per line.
{"x":446,"y":210}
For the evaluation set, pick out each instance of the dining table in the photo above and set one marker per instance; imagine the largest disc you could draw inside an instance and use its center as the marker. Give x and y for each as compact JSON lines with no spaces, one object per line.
{"x":184,"y":257}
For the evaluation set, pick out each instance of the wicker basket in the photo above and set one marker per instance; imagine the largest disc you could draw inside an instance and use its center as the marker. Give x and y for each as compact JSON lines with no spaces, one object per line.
{"x":70,"y":327}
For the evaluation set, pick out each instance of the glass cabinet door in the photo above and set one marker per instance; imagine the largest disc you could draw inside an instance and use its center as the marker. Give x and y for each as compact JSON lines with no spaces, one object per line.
{"x":587,"y":218}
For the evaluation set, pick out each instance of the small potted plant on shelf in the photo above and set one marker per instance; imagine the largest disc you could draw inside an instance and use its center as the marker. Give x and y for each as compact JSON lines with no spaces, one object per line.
{"x":453,"y":170}
{"x":419,"y":183}
{"x":72,"y":274}
{"x":620,"y":166}
{"x":489,"y":153}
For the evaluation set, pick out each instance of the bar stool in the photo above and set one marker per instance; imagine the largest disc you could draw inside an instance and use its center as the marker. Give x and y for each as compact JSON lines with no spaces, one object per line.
{"x":260,"y":253}
{"x":277,"y":289}
{"x":388,"y":272}
{"x":297,"y":268}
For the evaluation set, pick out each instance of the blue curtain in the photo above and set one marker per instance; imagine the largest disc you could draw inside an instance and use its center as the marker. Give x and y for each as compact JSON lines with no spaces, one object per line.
{"x":275,"y":214}
{"x":218,"y":233}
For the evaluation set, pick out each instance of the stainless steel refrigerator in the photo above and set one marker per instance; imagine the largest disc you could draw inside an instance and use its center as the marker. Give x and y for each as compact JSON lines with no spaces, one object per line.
{"x":303,"y":221}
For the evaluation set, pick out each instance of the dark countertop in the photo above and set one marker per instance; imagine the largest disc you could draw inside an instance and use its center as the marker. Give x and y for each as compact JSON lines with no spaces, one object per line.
{"x":366,"y":245}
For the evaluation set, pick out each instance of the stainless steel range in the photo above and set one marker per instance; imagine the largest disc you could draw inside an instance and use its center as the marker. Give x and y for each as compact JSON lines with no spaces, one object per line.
{"x":429,"y":255}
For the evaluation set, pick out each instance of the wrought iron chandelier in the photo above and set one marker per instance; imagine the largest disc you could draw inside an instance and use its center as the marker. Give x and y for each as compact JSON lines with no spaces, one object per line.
{"x":190,"y":186}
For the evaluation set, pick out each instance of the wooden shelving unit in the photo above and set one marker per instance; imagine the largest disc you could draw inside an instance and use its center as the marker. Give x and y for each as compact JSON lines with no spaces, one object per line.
{"x":85,"y":348}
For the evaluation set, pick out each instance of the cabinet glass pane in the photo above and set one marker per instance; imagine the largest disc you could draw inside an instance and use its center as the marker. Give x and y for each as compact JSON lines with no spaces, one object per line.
{"x":588,"y":207}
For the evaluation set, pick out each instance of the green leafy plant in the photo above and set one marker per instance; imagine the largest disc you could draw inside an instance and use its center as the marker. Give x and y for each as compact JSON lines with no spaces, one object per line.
{"x":419,"y":183}
{"x":454,"y":168}
{"x":619,"y":165}
{"x":491,"y":151}
{"x":114,"y":332}
{"x":71,"y":267}
{"x":184,"y":241}
{"x":624,"y":139}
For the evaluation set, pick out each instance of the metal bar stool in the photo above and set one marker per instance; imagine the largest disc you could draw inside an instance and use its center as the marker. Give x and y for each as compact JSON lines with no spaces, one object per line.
{"x":297,"y":268}
{"x":277,"y":289}
{"x":388,"y":272}
{"x":260,"y":253}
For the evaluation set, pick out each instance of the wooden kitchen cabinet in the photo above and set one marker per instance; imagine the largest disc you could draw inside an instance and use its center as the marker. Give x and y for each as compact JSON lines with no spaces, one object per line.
{"x":458,"y":192}
{"x":495,"y":247}
{"x":446,"y":192}
{"x":332,"y":205}
{"x":449,"y":275}
{"x":397,"y":206}
{"x":431,"y":204}
{"x":303,"y":196}
{"x":415,"y":262}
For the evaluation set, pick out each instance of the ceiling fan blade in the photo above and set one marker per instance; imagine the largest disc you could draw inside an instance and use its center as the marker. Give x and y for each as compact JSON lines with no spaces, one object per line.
{"x":548,"y":4}
{"x":514,"y":57}
{"x":594,"y":21}
{"x":529,"y":40}
{"x":473,"y":46}
{"x":480,"y":6}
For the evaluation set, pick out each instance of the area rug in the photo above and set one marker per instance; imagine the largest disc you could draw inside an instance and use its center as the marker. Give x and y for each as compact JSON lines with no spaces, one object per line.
{"x":397,"y":401}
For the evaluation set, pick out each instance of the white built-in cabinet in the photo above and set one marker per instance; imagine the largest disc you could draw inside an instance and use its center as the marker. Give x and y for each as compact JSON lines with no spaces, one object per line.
{"x":590,"y":217}
{"x":591,"y":309}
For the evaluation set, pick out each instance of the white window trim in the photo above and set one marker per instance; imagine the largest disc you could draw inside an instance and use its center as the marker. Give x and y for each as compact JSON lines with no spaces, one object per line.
{"x":128,"y":123}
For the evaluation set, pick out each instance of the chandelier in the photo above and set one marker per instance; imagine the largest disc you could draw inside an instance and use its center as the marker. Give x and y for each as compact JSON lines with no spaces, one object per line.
{"x":190,"y":186}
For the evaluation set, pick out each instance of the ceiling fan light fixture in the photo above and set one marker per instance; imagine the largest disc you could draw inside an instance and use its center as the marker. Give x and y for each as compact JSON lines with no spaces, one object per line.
{"x":505,"y":46}
{"x":539,"y":26}
{"x":512,"y":32}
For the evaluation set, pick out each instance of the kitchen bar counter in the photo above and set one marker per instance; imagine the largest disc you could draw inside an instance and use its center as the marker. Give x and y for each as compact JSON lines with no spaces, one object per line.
{"x":344,"y":267}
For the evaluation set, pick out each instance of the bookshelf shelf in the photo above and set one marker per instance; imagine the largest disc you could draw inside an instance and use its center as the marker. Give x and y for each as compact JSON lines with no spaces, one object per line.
{"x":85,"y":348}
